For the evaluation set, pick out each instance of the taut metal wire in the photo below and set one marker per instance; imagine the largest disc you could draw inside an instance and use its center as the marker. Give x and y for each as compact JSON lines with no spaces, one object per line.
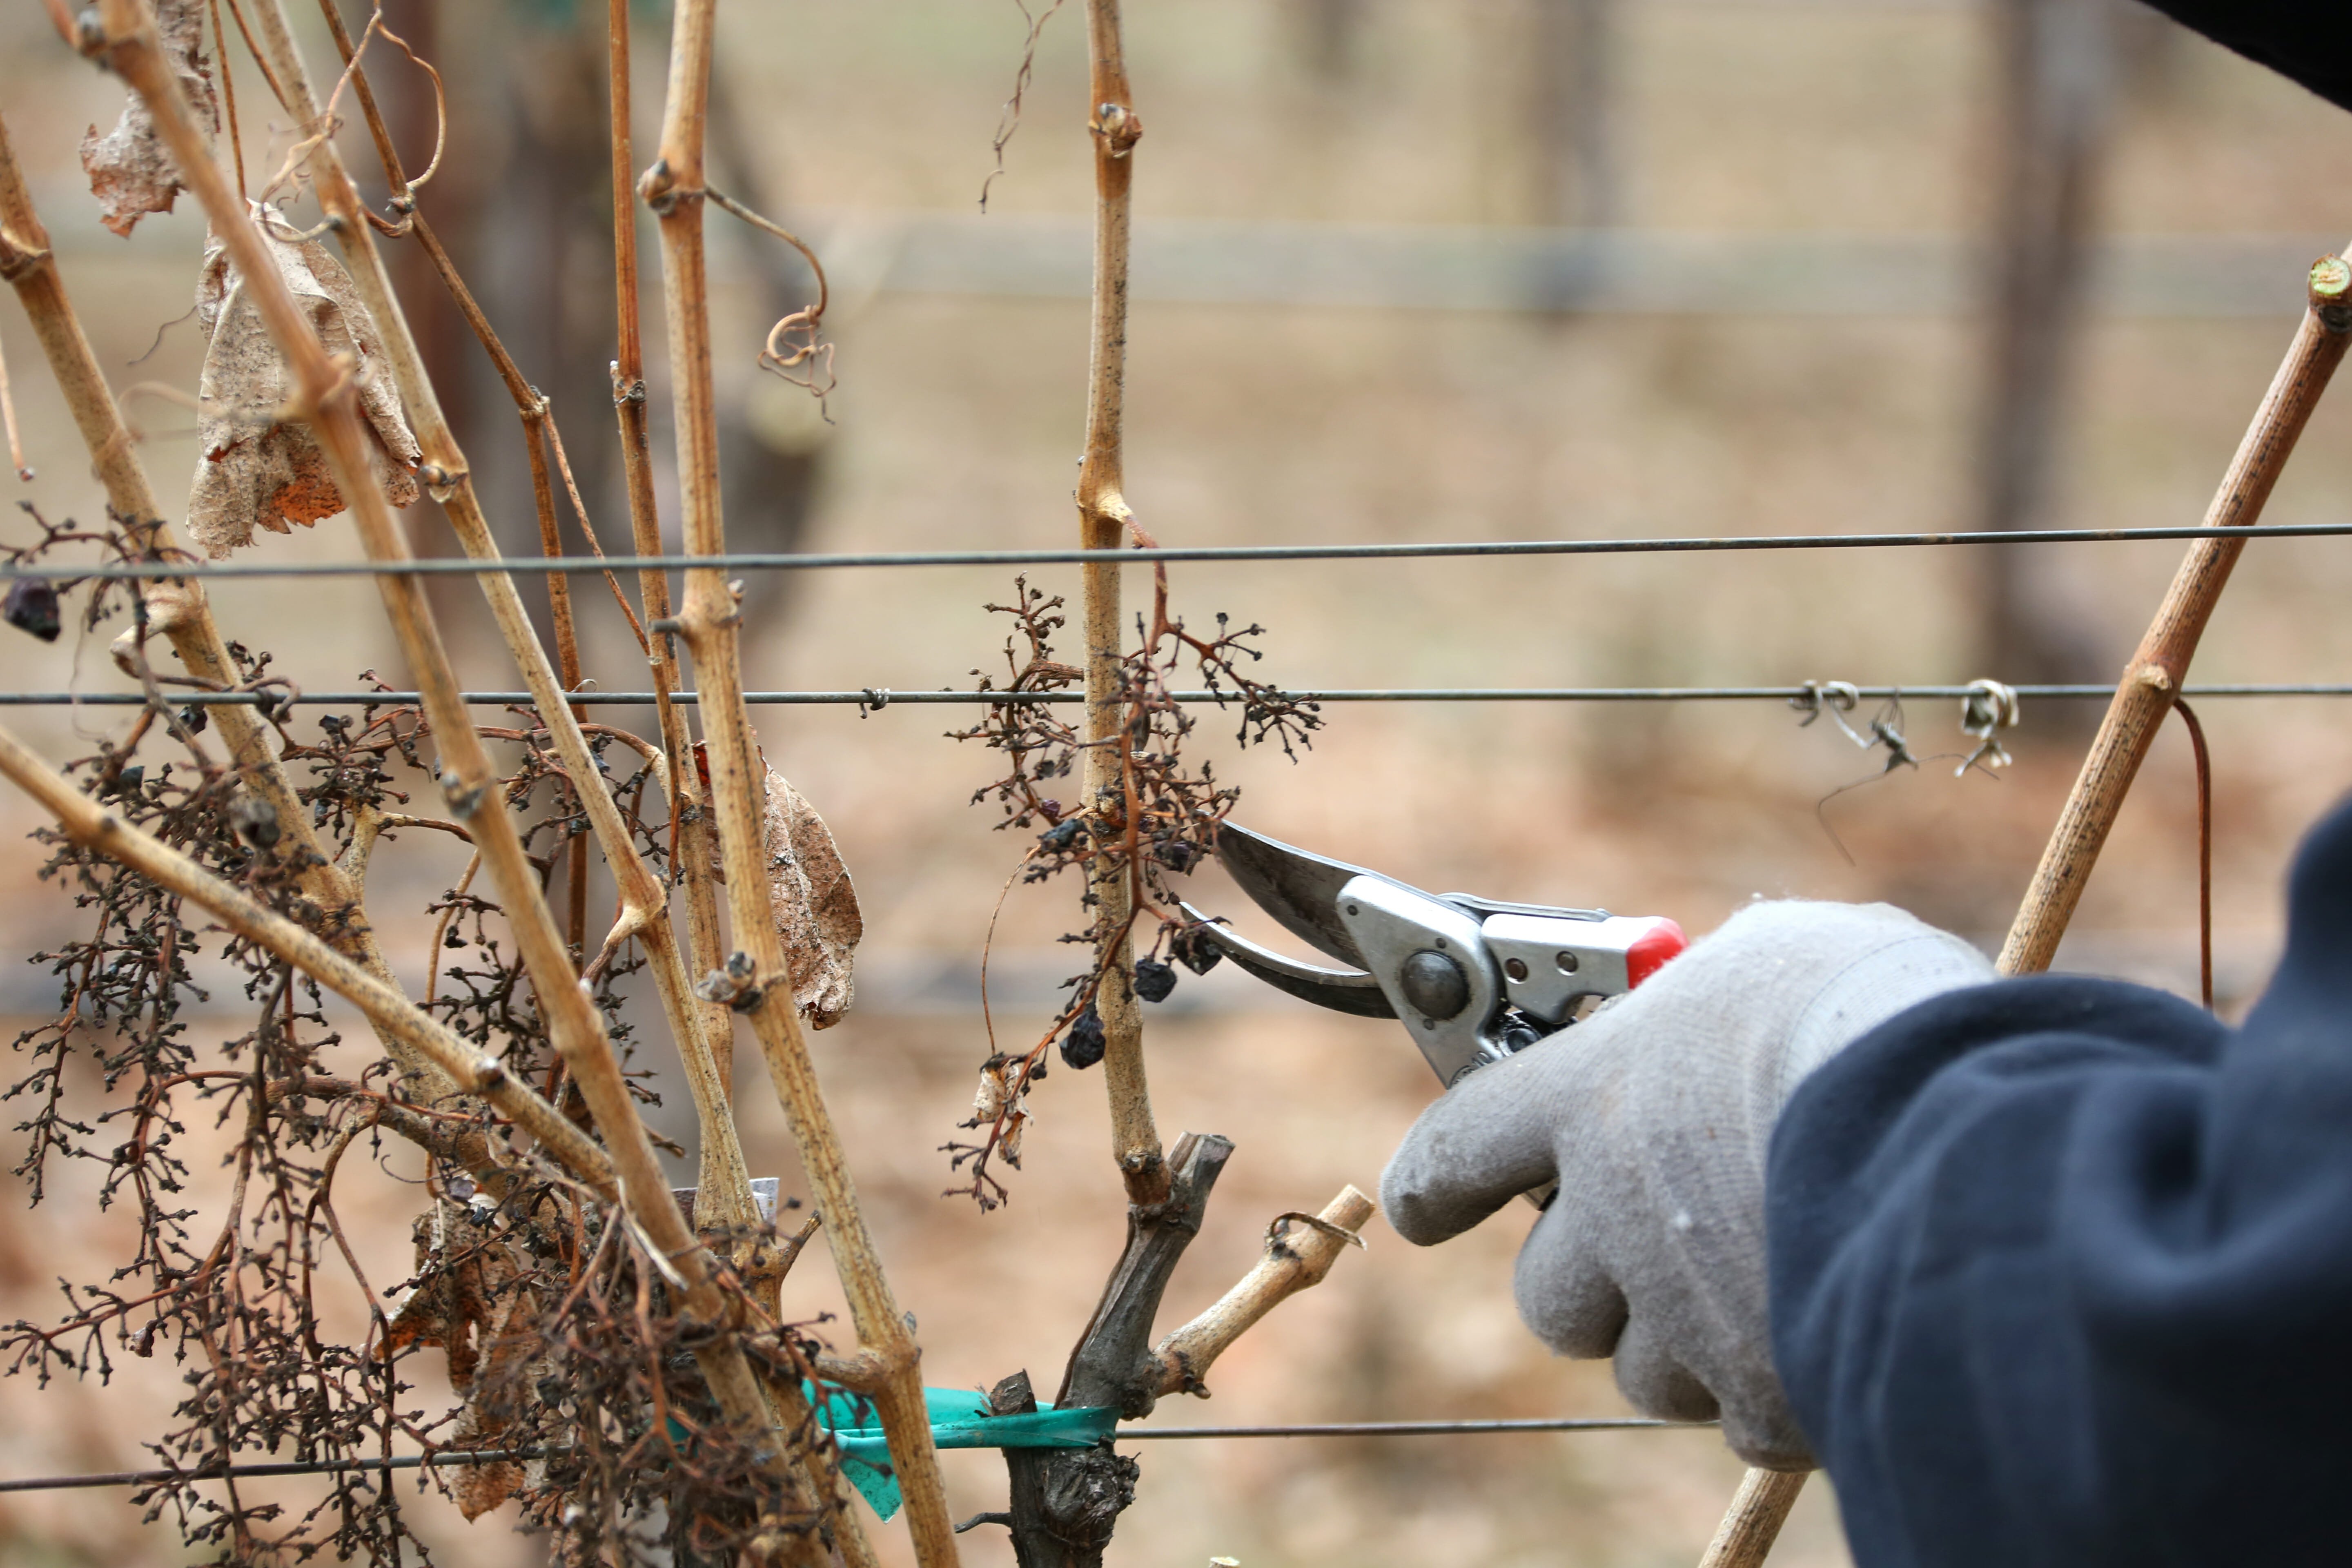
{"x":1412,"y":1428}
{"x":247,"y":1472}
{"x":1126,"y":1433}
{"x":584,"y":565}
{"x":873,"y":698}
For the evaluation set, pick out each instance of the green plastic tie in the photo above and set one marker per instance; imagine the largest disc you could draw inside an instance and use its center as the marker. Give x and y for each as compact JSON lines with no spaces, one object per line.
{"x":959,"y":1419}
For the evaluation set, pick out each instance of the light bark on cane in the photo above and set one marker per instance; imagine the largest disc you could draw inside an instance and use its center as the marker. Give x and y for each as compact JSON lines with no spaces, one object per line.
{"x":177,"y":607}
{"x":1103,"y":520}
{"x":1294,"y":1261}
{"x":673,"y":188}
{"x":697,"y":849}
{"x":725,"y":1191}
{"x":574,"y":1025}
{"x":2153,"y":677}
{"x":1753,"y":1521}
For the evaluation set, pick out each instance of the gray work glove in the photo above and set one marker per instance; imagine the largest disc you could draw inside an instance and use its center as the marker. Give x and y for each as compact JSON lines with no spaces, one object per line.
{"x":1656,"y":1115}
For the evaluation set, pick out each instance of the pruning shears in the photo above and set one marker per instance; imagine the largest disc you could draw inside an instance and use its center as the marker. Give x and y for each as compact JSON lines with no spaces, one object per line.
{"x":1473,"y":980}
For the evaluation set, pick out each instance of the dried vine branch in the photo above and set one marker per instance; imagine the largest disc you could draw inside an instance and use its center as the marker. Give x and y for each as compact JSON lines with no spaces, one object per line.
{"x":694,"y":836}
{"x":645,"y":903}
{"x":1104,"y":522}
{"x":133,"y":52}
{"x":485,"y":1296}
{"x":673,"y":188}
{"x":177,"y":607}
{"x":131,"y":49}
{"x":531,"y":408}
{"x":1142,"y":814}
{"x":1161,"y":823}
{"x":582,"y":1315}
{"x":1066,"y":1503}
{"x":1293,"y":1262}
{"x":93,"y":827}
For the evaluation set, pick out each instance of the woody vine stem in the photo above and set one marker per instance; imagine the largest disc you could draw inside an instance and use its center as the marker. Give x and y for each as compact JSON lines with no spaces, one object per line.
{"x":435,"y":1065}
{"x":644,"y":1356}
{"x":1104,"y":524}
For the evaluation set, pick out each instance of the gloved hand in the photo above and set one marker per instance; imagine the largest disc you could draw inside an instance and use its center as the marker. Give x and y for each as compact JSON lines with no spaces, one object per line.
{"x":1656,"y":1115}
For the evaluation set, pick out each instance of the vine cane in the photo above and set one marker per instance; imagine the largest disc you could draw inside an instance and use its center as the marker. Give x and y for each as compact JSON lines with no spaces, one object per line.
{"x":2151,"y":682}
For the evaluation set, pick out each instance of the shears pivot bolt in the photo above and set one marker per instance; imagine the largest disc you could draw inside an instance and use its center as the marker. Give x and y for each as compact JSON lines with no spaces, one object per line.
{"x":1433,"y":982}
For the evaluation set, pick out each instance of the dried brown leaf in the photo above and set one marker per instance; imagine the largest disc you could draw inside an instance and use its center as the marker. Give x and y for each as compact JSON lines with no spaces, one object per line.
{"x":487,"y":1427}
{"x":468,"y":1301}
{"x":484,"y":1429}
{"x":481,"y":1488}
{"x":995,"y":1087}
{"x":815,"y":905}
{"x":130,"y":171}
{"x":999,"y":1076}
{"x":1008,"y":1143}
{"x":463,"y":1296}
{"x":257,"y":465}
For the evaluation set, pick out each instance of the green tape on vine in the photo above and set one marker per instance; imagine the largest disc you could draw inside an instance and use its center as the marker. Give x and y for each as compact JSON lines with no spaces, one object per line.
{"x":959,"y":1419}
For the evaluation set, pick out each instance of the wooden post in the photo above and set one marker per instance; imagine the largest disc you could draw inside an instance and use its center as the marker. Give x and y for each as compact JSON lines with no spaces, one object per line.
{"x":1570,"y":118}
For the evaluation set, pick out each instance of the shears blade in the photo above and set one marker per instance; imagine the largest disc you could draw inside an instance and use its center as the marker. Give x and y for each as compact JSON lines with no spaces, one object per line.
{"x":1301,"y":890}
{"x":1341,"y":990}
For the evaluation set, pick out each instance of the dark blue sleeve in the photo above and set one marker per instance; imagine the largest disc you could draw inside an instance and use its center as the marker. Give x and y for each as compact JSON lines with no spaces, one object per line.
{"x":2061,"y":1268}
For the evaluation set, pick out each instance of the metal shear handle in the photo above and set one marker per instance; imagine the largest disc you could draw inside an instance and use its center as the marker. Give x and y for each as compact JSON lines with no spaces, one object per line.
{"x":1454,"y":979}
{"x":1472,"y":980}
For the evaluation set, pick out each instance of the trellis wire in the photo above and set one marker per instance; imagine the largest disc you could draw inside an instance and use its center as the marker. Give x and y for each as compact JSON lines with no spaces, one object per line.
{"x":1416,"y":1428}
{"x":875,"y":698}
{"x":583,"y":565}
{"x":1126,"y":1433}
{"x":252,"y":1472}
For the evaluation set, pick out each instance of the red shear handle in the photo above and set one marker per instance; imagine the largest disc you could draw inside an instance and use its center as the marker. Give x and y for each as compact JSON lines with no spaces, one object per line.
{"x":1652,"y":950}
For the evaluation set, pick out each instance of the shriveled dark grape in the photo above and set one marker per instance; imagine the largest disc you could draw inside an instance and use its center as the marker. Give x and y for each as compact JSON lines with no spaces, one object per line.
{"x":1154,"y":980}
{"x":1083,"y":1045}
{"x":32,"y":606}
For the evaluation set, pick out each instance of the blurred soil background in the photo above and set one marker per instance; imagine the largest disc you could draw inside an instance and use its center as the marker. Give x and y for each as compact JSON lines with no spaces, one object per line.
{"x":1751,"y":276}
